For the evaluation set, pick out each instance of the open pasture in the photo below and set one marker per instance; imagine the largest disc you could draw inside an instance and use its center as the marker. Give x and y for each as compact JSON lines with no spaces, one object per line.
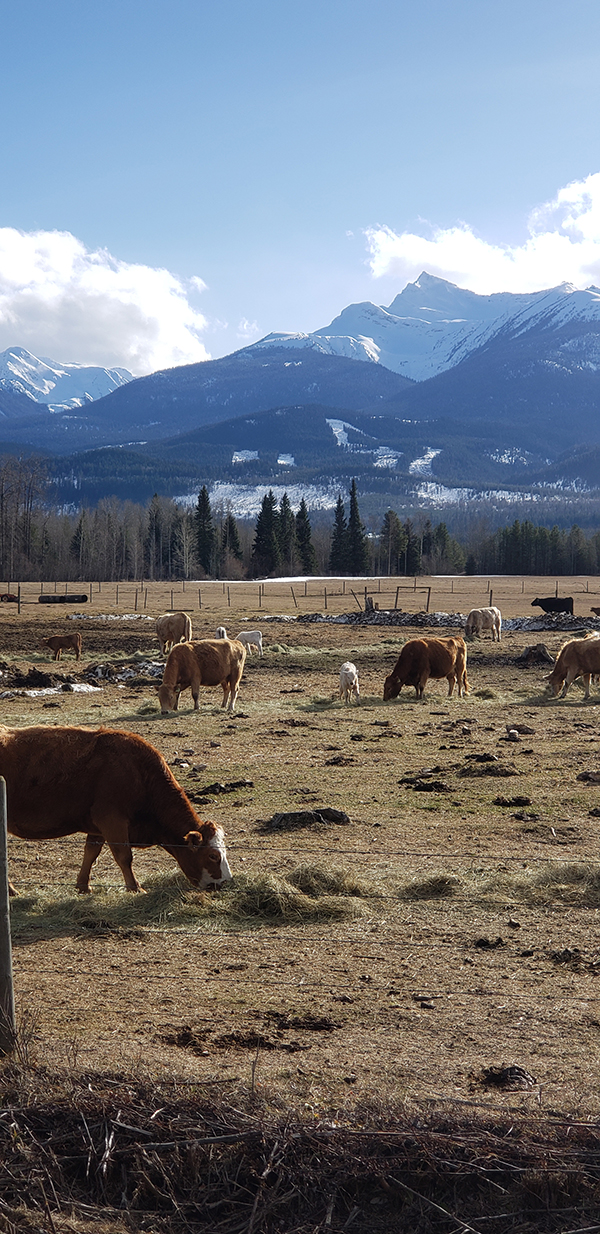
{"x":436,"y":935}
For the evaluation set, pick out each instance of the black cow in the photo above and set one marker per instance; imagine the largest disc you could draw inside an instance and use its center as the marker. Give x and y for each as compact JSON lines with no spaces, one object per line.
{"x":554,"y":605}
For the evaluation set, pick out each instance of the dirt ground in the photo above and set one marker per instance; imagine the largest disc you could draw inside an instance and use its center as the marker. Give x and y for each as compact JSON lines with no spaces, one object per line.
{"x":465,"y":936}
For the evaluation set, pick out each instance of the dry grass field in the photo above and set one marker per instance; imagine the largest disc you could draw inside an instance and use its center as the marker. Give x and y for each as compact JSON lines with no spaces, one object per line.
{"x":403,"y":958}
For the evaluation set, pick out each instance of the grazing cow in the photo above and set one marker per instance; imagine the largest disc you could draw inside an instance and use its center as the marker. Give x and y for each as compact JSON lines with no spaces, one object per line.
{"x":480,"y":619}
{"x":209,"y":662}
{"x":553,"y":605}
{"x":64,"y":642}
{"x":580,"y":657}
{"x":221,"y":632}
{"x":250,"y":639}
{"x":349,"y":682}
{"x":173,"y":628}
{"x":422,"y":658}
{"x":596,"y":611}
{"x":115,"y":788}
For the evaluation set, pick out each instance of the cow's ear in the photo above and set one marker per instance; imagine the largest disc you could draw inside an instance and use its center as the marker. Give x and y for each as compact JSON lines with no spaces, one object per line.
{"x":194,"y":839}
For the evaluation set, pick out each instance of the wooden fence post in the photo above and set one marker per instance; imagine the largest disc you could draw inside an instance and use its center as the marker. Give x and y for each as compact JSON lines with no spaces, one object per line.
{"x":91,"y":591}
{"x":397,"y":594}
{"x":7,"y":997}
{"x":117,"y":596}
{"x":325,"y":596}
{"x":228,"y":598}
{"x":199,"y":599}
{"x":18,"y":597}
{"x":136,"y":599}
{"x":556,"y":588}
{"x":428,"y":599}
{"x":171,"y":599}
{"x":259,"y":596}
{"x":293,"y":597}
{"x":491,"y":597}
{"x":146,"y":598}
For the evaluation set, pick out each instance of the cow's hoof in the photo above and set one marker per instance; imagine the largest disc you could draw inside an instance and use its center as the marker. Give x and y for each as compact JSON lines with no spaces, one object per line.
{"x":84,"y":891}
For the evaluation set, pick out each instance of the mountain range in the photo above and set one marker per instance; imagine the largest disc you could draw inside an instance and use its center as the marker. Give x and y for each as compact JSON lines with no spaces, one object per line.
{"x":442,"y":388}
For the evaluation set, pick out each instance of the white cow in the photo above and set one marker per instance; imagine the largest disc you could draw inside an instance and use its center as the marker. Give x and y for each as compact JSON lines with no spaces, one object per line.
{"x":349,"y":682}
{"x":484,"y":619}
{"x":221,"y":632}
{"x":251,"y":638}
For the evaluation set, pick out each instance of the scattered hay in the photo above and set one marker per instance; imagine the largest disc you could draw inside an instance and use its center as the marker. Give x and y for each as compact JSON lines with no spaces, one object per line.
{"x":277,"y":901}
{"x":486,"y":693}
{"x":436,"y":887}
{"x":315,"y":881}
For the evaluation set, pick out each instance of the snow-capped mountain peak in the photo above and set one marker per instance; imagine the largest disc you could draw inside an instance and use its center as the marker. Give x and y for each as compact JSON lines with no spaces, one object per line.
{"x":59,"y":386}
{"x":431,"y":325}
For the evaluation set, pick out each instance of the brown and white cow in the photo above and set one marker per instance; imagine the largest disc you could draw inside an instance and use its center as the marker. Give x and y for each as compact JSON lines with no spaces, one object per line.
{"x":208,"y":662}
{"x":116,"y":789}
{"x":422,"y":658}
{"x":173,"y":628}
{"x":64,"y":642}
{"x":580,"y":657}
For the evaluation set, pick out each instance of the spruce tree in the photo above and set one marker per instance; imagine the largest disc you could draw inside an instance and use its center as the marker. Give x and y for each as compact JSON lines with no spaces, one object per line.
{"x":306,"y":552}
{"x":266,"y":555}
{"x":230,"y":540}
{"x":358,"y":548}
{"x":287,"y":533}
{"x":206,"y":536}
{"x":339,"y":555}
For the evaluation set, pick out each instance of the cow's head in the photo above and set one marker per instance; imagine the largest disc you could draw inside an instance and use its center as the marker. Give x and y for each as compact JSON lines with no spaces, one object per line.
{"x":204,"y":860}
{"x":554,"y":682}
{"x":168,"y":697}
{"x":391,"y":687}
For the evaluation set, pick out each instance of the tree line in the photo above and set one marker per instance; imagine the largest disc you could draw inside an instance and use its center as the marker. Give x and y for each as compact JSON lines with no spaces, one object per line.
{"x":165,"y":540}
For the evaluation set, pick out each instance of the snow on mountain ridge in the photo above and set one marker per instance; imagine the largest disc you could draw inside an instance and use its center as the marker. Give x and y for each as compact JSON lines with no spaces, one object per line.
{"x":59,"y":386}
{"x":431,"y":325}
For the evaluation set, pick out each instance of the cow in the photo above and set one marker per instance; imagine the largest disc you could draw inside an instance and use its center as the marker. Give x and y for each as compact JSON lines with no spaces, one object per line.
{"x":63,"y":642}
{"x":422,"y":658}
{"x":221,"y":632}
{"x":208,"y":662}
{"x":480,"y":619}
{"x":115,"y":788}
{"x":250,"y":639}
{"x":596,"y":611}
{"x":349,"y":682}
{"x":555,"y":605}
{"x":580,"y":657}
{"x":173,"y":628}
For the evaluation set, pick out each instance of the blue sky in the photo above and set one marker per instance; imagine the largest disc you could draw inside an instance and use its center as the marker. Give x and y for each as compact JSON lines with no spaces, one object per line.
{"x":180,"y":178}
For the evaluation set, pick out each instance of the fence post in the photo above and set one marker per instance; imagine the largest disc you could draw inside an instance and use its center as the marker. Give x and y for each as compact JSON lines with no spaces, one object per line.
{"x":199,"y":599}
{"x":171,"y":599}
{"x":305,"y":588}
{"x":136,"y":598}
{"x":91,"y":591}
{"x":397,"y":594}
{"x":556,"y":588}
{"x":146,"y":598}
{"x":491,"y":597}
{"x":428,"y":599}
{"x":259,"y":596}
{"x":325,"y":596}
{"x":7,"y":997}
{"x":18,"y":597}
{"x":117,"y":597}
{"x":415,"y":586}
{"x":293,"y":596}
{"x":228,"y":598}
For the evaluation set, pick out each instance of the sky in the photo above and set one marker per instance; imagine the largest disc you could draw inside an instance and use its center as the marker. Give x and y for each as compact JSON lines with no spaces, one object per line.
{"x":179,"y":178}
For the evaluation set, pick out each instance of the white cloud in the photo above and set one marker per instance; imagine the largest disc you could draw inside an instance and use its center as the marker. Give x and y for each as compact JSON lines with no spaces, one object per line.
{"x":247,"y":330}
{"x":563,"y":245}
{"x":60,"y":300}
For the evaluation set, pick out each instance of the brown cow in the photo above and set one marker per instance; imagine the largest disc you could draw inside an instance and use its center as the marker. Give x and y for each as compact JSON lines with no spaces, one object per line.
{"x":115,"y":788}
{"x":596,"y":611}
{"x":422,"y":658}
{"x":173,"y":628}
{"x":209,"y":662}
{"x":580,"y":657}
{"x":63,"y":642}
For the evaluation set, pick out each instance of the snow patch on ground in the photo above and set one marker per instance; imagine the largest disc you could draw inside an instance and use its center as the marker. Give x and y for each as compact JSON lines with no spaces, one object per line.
{"x":422,"y":466}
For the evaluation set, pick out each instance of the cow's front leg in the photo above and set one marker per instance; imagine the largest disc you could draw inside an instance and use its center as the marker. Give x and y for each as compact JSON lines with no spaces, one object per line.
{"x":92,"y":849}
{"x":114,"y":829}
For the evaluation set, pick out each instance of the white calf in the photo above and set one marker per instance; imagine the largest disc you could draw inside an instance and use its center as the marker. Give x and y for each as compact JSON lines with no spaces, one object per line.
{"x":251,"y":638}
{"x":349,"y":682}
{"x":221,"y":632}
